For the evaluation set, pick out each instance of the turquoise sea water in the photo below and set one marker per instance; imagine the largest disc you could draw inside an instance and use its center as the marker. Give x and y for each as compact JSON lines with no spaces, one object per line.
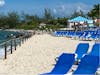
{"x":5,"y":36}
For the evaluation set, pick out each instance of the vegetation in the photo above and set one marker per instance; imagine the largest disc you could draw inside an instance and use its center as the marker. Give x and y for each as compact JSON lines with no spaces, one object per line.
{"x":95,"y":12}
{"x":26,"y":21}
{"x":80,"y":13}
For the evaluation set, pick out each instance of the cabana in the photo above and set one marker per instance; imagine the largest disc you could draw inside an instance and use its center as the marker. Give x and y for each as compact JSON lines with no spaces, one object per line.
{"x":90,"y":23}
{"x":80,"y":21}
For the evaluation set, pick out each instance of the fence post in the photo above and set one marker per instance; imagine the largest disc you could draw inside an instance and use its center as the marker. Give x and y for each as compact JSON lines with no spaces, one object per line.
{"x":15,"y":42}
{"x":11,"y":46}
{"x":5,"y":46}
{"x":20,"y":41}
{"x":25,"y":37}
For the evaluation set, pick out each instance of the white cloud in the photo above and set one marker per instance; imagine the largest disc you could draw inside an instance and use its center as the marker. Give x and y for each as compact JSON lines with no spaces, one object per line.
{"x":2,"y":2}
{"x":69,"y":8}
{"x":63,"y":7}
{"x":83,"y":7}
{"x":54,"y":10}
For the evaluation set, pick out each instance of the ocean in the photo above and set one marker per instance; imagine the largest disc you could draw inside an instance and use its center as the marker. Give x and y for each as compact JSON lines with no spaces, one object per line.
{"x":5,"y":36}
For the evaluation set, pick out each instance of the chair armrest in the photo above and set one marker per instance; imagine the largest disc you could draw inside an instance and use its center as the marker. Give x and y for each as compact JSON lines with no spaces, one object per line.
{"x":74,"y":67}
{"x":56,"y":59}
{"x":76,"y":56}
{"x":84,"y":55}
{"x":77,"y":62}
{"x":98,"y":71}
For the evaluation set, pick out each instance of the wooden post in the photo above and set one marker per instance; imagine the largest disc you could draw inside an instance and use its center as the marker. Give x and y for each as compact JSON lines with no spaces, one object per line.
{"x":25,"y":37}
{"x":11,"y":46}
{"x":20,"y":41}
{"x":5,"y":46}
{"x":15,"y":43}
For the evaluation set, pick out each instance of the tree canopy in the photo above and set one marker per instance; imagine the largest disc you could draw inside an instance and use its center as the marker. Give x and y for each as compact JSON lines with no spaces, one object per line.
{"x":95,"y":12}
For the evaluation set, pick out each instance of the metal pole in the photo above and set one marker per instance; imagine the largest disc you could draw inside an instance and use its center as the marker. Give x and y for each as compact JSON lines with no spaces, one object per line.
{"x":11,"y":46}
{"x":20,"y":41}
{"x":15,"y":42}
{"x":5,"y":45}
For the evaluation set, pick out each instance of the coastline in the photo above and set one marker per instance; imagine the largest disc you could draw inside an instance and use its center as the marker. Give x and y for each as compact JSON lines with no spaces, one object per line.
{"x":10,"y":39}
{"x":19,"y":30}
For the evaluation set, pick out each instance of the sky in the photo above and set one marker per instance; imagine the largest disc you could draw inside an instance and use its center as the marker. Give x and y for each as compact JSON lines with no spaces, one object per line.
{"x":57,"y":7}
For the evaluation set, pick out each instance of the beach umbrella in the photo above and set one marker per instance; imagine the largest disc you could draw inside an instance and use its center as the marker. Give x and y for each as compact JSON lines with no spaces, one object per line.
{"x":79,"y":19}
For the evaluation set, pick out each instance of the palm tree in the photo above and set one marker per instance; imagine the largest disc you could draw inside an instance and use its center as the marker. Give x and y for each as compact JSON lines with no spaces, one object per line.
{"x":94,"y":13}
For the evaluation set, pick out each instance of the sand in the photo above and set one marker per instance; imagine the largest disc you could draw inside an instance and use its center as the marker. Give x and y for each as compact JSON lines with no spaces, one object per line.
{"x":36,"y":55}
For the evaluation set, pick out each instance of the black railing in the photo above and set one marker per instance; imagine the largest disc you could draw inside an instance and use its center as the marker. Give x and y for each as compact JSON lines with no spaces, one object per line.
{"x":11,"y":45}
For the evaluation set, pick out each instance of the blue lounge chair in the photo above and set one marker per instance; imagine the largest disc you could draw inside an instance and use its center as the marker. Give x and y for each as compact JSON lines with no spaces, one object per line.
{"x":58,"y":33}
{"x":65,"y":33}
{"x":78,"y":34}
{"x":81,"y":50}
{"x":95,"y":50}
{"x":66,"y":60}
{"x":98,"y":36}
{"x":94,"y":36}
{"x":86,"y":33}
{"x":88,"y":65}
{"x":63,"y":65}
{"x":71,"y":34}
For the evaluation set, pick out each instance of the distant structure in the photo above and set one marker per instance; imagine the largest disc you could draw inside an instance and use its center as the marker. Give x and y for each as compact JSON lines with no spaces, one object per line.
{"x":80,"y":22}
{"x":42,"y":24}
{"x":98,"y":21}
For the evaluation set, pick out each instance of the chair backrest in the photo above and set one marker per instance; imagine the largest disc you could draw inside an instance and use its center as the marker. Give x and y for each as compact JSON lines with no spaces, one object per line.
{"x":65,"y":59}
{"x":57,"y":33}
{"x":64,"y":63}
{"x":90,"y":60}
{"x":79,"y":33}
{"x":98,"y":36}
{"x":95,"y":50}
{"x":88,"y":65}
{"x":81,"y":49}
{"x":60,"y":33}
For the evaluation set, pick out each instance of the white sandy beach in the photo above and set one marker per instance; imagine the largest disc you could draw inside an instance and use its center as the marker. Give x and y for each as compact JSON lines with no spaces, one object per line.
{"x":36,"y":56}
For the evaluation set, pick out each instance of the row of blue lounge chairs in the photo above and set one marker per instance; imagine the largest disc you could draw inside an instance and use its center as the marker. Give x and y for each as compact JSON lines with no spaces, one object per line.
{"x":88,"y":64}
{"x":89,"y":34}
